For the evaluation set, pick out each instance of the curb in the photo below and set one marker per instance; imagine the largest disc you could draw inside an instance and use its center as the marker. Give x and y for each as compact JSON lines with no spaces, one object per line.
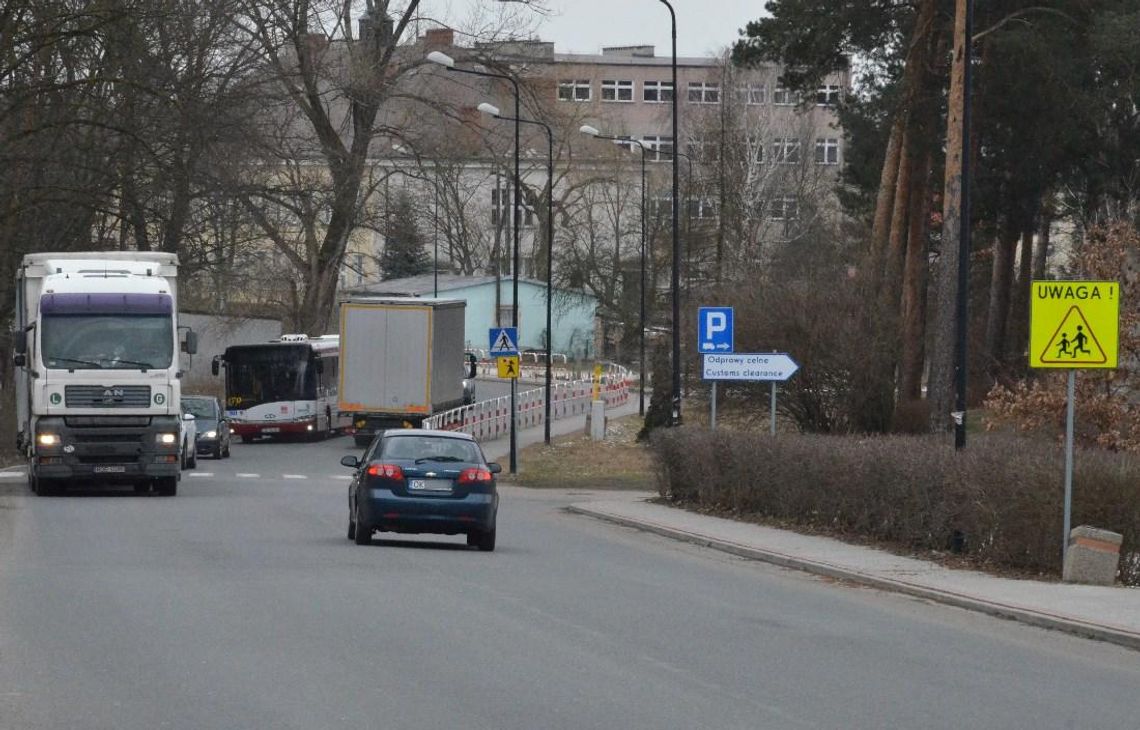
{"x":1110,"y":634}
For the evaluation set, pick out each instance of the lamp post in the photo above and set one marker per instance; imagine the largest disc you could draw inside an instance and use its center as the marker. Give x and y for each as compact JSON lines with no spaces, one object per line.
{"x":591,"y":131}
{"x":675,"y":277}
{"x":494,"y":112}
{"x":448,"y":63}
{"x":688,"y":231}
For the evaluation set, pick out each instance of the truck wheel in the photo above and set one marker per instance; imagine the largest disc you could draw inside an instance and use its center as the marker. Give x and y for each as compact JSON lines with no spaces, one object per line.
{"x":166,"y":486}
{"x":246,"y":439}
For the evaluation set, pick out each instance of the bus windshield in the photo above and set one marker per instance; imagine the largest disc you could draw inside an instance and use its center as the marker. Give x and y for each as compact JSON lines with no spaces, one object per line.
{"x":256,"y":375}
{"x":107,"y":341}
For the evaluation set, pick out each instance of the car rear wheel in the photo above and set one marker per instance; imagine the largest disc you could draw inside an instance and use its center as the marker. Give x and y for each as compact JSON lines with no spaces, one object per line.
{"x":351,"y":528}
{"x":484,"y":540}
{"x":362,"y":534}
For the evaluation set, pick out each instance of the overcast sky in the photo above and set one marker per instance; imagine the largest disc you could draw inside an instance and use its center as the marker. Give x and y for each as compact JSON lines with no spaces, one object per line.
{"x":583,"y":26}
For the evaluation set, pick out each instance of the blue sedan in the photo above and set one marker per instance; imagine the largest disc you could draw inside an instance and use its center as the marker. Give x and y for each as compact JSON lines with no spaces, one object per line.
{"x":416,"y":480}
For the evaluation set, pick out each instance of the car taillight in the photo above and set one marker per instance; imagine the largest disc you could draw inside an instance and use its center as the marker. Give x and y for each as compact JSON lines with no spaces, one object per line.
{"x":388,"y":471}
{"x":474,"y":475}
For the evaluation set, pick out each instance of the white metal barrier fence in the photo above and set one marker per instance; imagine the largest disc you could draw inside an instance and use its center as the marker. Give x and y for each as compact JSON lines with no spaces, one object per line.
{"x":490,"y":419}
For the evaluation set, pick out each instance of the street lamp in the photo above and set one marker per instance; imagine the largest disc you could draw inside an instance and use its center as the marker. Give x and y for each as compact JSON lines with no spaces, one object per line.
{"x":593,"y":132}
{"x":494,"y":112}
{"x":688,"y":231}
{"x":448,"y":62}
{"x":675,"y":278}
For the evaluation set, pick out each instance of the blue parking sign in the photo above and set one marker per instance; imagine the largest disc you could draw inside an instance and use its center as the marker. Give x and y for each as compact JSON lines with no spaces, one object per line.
{"x":714,"y":330}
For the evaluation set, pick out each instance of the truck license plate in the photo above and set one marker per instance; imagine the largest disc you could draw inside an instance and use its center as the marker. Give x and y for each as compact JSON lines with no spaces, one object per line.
{"x":271,"y":430}
{"x":111,"y":469}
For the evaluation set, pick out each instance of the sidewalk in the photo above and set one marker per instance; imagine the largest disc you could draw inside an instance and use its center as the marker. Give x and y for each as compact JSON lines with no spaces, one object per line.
{"x":1107,"y":613}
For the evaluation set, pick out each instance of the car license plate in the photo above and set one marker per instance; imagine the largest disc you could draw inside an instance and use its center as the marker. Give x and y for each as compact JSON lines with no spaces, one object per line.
{"x":273,"y":429}
{"x":430,"y":485}
{"x":111,"y":469}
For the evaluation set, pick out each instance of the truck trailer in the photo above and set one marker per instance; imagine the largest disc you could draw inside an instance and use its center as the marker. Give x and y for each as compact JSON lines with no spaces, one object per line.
{"x":97,"y":374}
{"x":402,"y":360}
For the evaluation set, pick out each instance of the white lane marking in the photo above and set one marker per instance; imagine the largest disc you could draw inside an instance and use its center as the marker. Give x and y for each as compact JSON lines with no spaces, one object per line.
{"x":294,"y":476}
{"x":12,"y":475}
{"x":342,"y":477}
{"x":248,"y":476}
{"x":201,"y":474}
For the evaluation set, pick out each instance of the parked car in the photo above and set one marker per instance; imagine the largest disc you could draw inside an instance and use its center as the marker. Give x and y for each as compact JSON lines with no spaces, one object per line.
{"x":188,"y":452}
{"x":416,"y":480}
{"x":213,"y":428}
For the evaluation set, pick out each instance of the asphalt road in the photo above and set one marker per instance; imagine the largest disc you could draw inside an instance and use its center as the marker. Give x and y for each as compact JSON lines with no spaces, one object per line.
{"x":240,"y":604}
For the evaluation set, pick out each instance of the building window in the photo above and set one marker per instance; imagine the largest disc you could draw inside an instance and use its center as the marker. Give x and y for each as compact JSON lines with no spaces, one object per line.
{"x":701,"y":209}
{"x":661,"y":206}
{"x":501,"y":209}
{"x":661,"y":148}
{"x":506,"y":316}
{"x":704,"y":150}
{"x":786,"y":150}
{"x":704,"y":92}
{"x":756,"y":150}
{"x":827,"y":95}
{"x":572,"y":90}
{"x":783,"y":96}
{"x":784,"y":209}
{"x":752,"y":94}
{"x":657,"y":92}
{"x":358,"y":264}
{"x":827,"y":151}
{"x":617,"y":91}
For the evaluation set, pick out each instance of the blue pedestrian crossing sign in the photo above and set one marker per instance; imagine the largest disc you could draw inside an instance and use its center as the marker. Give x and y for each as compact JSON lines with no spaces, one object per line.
{"x":504,"y":341}
{"x":714,"y":330}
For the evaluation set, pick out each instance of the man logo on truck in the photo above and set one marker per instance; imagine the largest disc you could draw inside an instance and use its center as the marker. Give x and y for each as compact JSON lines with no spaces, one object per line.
{"x":112,"y":394}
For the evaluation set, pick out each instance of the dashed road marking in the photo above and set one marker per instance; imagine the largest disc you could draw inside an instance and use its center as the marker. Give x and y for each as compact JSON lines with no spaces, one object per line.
{"x":342,"y":477}
{"x":294,"y":476}
{"x":11,"y":475}
{"x":248,"y":476}
{"x":201,"y":474}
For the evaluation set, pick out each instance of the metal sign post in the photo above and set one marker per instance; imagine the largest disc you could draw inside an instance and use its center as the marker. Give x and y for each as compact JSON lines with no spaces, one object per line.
{"x":773,"y":431}
{"x":712,"y":407}
{"x":1069,"y":418}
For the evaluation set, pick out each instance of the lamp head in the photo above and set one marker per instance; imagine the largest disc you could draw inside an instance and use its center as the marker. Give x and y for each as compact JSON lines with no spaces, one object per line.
{"x":488,"y":109}
{"x":587,"y":129}
{"x":442,"y":59}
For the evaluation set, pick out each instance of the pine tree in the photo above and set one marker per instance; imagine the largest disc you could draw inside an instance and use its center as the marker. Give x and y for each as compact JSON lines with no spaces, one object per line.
{"x":405,"y":250}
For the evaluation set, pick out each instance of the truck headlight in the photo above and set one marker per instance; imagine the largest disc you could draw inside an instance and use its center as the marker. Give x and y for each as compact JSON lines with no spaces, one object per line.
{"x":47,"y":439}
{"x":167,"y":439}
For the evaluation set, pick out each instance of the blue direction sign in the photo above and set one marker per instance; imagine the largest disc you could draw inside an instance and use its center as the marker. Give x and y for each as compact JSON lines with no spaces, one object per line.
{"x":504,"y":341}
{"x":714,"y":330}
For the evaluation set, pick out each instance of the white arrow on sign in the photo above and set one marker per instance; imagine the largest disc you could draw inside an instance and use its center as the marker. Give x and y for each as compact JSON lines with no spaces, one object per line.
{"x":749,"y":366}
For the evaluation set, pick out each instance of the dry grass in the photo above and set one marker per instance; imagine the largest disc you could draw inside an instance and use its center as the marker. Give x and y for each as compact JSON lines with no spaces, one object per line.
{"x":576,"y":462}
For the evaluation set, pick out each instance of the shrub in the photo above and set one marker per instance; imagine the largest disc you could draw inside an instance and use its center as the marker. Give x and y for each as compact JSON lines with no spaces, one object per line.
{"x":999,"y":502}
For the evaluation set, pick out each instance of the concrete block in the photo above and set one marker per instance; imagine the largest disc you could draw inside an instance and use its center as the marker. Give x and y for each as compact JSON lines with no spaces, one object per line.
{"x":598,"y":420}
{"x":1092,"y":556}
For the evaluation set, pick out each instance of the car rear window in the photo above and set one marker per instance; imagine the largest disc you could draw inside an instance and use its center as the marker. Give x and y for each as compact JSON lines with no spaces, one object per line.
{"x":430,"y":447}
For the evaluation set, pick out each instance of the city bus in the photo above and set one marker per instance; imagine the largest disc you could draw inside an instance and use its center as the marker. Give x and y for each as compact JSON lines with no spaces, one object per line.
{"x":283,"y":388}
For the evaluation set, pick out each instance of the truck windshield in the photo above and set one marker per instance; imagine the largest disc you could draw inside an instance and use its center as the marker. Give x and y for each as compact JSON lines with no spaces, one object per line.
{"x":266,"y":375}
{"x":107,"y":341}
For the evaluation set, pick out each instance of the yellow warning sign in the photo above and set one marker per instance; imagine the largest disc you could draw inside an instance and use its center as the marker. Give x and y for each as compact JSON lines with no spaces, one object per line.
{"x":508,"y":366}
{"x":1074,"y":324}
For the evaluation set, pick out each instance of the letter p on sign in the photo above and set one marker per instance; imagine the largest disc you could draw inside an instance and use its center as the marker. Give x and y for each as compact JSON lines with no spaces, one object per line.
{"x":714,"y":330}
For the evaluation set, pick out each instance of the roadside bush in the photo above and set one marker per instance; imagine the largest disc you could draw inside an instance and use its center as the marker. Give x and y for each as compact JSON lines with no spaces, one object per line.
{"x":998,"y":502}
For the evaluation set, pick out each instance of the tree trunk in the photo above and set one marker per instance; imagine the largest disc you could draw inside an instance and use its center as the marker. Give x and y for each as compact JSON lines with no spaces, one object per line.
{"x":913,"y":329}
{"x":943,"y":334}
{"x":1001,"y":280}
{"x":1019,"y":309}
{"x":896,"y":241}
{"x":1041,"y":256}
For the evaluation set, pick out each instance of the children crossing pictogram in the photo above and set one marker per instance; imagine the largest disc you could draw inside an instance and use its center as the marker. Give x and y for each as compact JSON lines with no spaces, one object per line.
{"x":1074,"y":342}
{"x":1074,"y":324}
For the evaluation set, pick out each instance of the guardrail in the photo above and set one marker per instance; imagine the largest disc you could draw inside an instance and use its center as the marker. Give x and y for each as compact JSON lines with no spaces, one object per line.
{"x":490,"y":419}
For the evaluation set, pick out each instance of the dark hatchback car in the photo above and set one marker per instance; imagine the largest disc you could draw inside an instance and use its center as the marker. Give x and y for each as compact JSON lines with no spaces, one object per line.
{"x":213,"y":428}
{"x":415,"y":480}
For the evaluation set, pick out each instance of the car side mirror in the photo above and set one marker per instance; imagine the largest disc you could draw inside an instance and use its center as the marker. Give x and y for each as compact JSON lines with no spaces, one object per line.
{"x":215,"y":366}
{"x":19,"y":359}
{"x":495,"y":468}
{"x":472,"y":366}
{"x":350,"y":461}
{"x":19,"y":343}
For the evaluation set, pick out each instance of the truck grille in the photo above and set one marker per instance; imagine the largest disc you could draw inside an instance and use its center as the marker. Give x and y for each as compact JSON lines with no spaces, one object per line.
{"x":112,"y":396}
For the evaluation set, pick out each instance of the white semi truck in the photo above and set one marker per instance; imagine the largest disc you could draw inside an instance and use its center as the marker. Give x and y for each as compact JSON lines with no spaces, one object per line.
{"x":402,"y":360}
{"x":97,"y":372}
